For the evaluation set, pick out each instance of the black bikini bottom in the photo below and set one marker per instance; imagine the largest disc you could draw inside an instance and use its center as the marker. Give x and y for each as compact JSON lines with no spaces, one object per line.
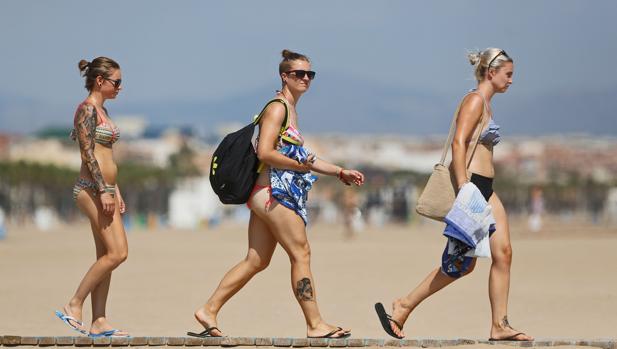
{"x":485,"y":184}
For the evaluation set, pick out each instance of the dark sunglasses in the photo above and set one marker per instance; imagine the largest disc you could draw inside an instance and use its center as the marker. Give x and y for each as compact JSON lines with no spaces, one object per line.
{"x":116,"y":83}
{"x":502,"y":52}
{"x":301,"y":73}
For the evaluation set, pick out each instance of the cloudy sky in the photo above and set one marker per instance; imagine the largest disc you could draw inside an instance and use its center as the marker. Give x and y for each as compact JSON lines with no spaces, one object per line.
{"x":383,"y":66}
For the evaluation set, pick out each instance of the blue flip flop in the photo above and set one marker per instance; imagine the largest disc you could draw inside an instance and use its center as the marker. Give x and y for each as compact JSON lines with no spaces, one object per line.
{"x":110,"y":333}
{"x":67,"y":320}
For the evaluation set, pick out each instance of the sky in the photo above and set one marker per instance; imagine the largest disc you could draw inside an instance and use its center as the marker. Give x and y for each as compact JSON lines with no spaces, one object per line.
{"x":382,"y":66}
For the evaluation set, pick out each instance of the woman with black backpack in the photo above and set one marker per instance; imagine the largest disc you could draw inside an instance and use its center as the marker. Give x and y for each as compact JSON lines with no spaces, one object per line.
{"x":277,"y":203}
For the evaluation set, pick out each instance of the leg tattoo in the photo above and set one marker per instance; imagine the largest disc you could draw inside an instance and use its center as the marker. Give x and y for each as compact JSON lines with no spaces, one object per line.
{"x":505,"y":323}
{"x":304,"y":290}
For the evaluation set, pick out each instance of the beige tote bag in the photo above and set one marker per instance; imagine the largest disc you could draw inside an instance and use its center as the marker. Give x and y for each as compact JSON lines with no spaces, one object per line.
{"x":439,"y":193}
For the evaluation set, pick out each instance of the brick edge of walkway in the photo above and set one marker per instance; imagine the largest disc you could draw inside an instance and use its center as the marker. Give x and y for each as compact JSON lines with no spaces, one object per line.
{"x":9,"y":341}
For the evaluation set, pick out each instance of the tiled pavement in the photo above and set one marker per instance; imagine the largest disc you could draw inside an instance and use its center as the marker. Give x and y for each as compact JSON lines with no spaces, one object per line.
{"x":285,"y":342}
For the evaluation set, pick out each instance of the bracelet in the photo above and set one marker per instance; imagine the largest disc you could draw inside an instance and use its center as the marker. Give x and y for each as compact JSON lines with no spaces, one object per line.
{"x":339,"y":173}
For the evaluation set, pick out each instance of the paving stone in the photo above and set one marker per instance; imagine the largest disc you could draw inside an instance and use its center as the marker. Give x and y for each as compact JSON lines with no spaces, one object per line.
{"x":391,"y":342}
{"x":263,"y":342}
{"x":605,"y":344}
{"x":563,"y":342}
{"x":193,"y":341}
{"x":410,"y":343}
{"x":465,"y":341}
{"x":430,"y":343}
{"x":338,"y":342}
{"x":29,"y":341}
{"x":542,"y":343}
{"x":281,"y":342}
{"x":301,"y":342}
{"x":245,"y":341}
{"x":355,"y":342}
{"x":47,"y":341}
{"x":138,"y":341}
{"x":11,"y":340}
{"x":156,"y":341}
{"x":212,"y":341}
{"x":374,"y":342}
{"x":318,"y":342}
{"x":102,"y":341}
{"x":120,"y":341}
{"x":236,"y":341}
{"x":83,"y":341}
{"x":175,"y":341}
{"x":64,"y":340}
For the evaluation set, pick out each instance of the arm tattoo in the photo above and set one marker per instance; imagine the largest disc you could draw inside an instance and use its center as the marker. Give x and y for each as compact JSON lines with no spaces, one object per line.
{"x":304,"y":290}
{"x":85,"y":125}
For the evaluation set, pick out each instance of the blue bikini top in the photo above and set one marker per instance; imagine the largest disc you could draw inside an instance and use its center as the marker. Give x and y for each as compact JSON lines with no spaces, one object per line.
{"x":490,"y":135}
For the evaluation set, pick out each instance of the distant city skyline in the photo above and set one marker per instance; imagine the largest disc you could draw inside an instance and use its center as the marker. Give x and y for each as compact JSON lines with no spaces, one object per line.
{"x":383,"y":67}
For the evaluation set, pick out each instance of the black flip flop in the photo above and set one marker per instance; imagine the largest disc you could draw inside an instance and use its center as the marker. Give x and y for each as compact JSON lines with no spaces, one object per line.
{"x":331,"y":334}
{"x":385,"y":321}
{"x":510,"y":338}
{"x":205,"y":333}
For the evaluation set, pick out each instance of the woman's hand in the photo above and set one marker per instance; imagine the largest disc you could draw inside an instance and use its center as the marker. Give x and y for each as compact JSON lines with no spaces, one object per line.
{"x":351,"y":176}
{"x":108,"y":202}
{"x":121,"y":204}
{"x":307,"y":165}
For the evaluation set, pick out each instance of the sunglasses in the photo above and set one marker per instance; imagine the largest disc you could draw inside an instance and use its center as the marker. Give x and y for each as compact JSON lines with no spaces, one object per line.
{"x":502,"y":52}
{"x":116,"y":83}
{"x":301,"y":73}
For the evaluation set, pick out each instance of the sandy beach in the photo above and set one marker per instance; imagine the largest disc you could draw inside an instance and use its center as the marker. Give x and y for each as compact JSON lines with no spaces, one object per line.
{"x":563,"y":285}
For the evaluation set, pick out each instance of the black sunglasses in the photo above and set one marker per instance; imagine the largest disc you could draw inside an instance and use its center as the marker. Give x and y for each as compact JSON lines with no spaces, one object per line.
{"x":301,"y":73}
{"x":502,"y":52}
{"x":116,"y":83}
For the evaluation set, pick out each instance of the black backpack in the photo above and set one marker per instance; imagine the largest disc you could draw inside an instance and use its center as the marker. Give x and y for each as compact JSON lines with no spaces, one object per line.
{"x":233,"y":170}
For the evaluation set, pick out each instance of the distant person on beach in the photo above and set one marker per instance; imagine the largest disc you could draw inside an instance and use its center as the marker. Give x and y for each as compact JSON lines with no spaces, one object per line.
{"x":536,"y":209}
{"x":493,"y":71}
{"x":278,"y":204}
{"x":97,"y":195}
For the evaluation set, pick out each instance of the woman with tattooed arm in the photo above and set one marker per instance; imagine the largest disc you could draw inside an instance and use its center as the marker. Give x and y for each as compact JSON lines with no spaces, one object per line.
{"x":278,"y":216}
{"x":98,"y":196}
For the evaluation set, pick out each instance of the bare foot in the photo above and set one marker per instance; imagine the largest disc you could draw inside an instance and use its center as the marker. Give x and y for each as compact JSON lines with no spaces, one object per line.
{"x":324,"y":330}
{"x":101,"y":325}
{"x":208,"y":320}
{"x":75,"y":312}
{"x":504,"y":332}
{"x":400,"y":313}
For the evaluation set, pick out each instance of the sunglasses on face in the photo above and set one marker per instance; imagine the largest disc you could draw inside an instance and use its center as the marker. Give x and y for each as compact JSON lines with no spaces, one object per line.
{"x":301,"y":73}
{"x":116,"y":83}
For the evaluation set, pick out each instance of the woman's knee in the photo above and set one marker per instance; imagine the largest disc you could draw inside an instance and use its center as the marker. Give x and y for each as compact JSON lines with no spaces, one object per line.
{"x":300,"y":254}
{"x":117,"y":258}
{"x":256,"y":262}
{"x":503,"y":255}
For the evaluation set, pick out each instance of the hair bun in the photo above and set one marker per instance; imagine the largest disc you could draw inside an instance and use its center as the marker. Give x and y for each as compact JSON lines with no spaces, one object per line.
{"x":474,"y":57}
{"x":83,"y":65}
{"x":287,"y":54}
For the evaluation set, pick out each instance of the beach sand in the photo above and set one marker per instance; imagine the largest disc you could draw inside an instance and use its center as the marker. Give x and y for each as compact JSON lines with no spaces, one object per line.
{"x":563,"y":282}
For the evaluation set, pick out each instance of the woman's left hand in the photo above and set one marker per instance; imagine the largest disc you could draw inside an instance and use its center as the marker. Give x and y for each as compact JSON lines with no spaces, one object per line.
{"x":351,"y":176}
{"x":121,"y":204}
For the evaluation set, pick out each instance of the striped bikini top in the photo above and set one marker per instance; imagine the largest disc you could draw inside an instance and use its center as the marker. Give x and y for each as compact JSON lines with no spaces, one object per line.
{"x":292,"y":135}
{"x":105,"y":132}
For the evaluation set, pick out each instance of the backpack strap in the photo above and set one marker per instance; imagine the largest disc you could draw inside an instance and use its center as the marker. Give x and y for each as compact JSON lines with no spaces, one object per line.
{"x":284,"y":127}
{"x":286,"y":121}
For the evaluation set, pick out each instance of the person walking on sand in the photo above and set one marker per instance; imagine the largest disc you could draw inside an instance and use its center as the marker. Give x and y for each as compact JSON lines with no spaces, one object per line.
{"x":97,"y":195}
{"x":493,"y":71}
{"x":278,"y":204}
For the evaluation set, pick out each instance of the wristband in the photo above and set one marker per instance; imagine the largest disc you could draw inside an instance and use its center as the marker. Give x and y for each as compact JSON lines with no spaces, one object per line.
{"x":339,"y":173}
